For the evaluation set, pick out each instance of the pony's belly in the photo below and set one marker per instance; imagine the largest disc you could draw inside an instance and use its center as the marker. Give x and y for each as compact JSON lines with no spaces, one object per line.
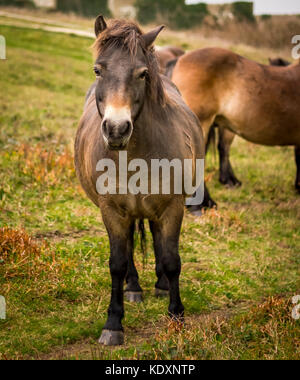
{"x":267,"y":134}
{"x":260,"y":124}
{"x":150,"y":207}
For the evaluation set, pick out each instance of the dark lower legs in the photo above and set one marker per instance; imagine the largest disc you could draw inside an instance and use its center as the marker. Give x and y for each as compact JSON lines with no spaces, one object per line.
{"x":112,"y":333}
{"x":120,"y":231}
{"x":166,"y":234}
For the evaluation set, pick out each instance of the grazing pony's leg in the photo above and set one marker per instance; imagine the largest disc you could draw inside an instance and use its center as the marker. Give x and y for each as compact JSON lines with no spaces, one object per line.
{"x":166,"y":234}
{"x":227,"y":176}
{"x":133,"y":291}
{"x":297,"y":155}
{"x":162,"y":284}
{"x":208,"y":202}
{"x":119,"y":231}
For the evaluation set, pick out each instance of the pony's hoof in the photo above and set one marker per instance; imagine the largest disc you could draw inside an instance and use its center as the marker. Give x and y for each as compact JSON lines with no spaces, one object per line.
{"x":197,"y":213}
{"x":159,"y":293}
{"x":231,"y":183}
{"x":111,"y":338}
{"x":136,"y":297}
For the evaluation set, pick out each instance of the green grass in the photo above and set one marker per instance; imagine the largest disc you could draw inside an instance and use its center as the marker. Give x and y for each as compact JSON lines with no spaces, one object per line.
{"x":234,"y":259}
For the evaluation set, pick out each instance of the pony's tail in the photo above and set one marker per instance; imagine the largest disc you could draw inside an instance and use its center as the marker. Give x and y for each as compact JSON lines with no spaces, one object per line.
{"x":143,"y":240}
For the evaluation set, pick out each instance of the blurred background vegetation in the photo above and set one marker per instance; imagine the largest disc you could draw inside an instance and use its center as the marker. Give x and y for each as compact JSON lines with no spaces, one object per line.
{"x":175,"y":13}
{"x":234,"y":22}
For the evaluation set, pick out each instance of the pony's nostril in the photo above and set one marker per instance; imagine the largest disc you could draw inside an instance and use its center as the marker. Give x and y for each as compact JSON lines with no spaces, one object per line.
{"x":125,"y":128}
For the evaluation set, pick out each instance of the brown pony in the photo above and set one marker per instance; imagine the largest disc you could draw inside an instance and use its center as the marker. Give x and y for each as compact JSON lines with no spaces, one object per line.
{"x":257,"y":102}
{"x":131,"y":108}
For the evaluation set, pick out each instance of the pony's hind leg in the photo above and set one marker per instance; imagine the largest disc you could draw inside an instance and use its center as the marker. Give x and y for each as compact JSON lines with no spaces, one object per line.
{"x":162,"y":284}
{"x":133,"y":291}
{"x":119,"y":231}
{"x":297,"y":156}
{"x":227,"y":176}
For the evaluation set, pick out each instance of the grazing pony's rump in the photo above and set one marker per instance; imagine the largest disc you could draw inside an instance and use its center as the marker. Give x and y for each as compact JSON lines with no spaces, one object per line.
{"x":226,"y":138}
{"x":131,"y":107}
{"x":257,"y":102}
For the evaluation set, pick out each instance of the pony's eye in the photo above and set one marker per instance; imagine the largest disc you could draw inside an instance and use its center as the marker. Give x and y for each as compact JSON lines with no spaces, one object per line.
{"x":143,"y":75}
{"x":97,"y":72}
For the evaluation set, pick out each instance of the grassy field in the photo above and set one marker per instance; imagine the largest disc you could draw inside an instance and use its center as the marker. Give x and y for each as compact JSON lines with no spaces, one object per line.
{"x":240,"y":263}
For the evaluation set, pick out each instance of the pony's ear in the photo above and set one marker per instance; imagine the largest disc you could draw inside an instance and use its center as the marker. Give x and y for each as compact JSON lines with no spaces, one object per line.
{"x":150,"y":37}
{"x":100,"y":25}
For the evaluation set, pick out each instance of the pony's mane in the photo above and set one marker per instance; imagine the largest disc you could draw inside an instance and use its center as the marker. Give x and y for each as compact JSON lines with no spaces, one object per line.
{"x":122,"y":34}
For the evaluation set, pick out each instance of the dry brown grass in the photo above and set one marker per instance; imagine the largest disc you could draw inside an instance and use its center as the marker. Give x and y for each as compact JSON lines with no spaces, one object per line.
{"x":21,"y":256}
{"x":44,"y":165}
{"x":268,"y":324}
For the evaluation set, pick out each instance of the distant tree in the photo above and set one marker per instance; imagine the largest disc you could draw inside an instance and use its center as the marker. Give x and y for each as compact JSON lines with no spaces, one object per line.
{"x":173,"y":12}
{"x":265,"y":17}
{"x":18,"y":3}
{"x":89,"y":8}
{"x":243,"y":11}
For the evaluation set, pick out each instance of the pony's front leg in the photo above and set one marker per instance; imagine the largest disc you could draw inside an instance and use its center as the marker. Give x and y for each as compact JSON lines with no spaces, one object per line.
{"x":168,"y":232}
{"x":119,"y":233}
{"x":133,"y":291}
{"x":162,"y":284}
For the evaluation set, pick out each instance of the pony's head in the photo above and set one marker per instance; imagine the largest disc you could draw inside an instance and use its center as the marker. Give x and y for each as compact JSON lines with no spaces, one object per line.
{"x":127,"y":76}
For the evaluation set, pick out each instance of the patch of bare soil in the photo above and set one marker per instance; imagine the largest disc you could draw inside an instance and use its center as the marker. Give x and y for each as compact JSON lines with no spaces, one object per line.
{"x":89,"y":349}
{"x":57,"y":236}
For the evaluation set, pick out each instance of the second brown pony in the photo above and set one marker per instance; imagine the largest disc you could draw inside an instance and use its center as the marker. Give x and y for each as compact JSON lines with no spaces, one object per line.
{"x":257,"y":102}
{"x":225,"y":140}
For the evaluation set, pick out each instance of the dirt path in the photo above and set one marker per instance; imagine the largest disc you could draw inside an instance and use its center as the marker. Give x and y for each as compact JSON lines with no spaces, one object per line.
{"x":88,"y":349}
{"x":47,"y":25}
{"x":43,"y":24}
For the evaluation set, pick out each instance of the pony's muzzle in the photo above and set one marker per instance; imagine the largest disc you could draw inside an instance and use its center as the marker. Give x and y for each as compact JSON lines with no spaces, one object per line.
{"x":117,"y":133}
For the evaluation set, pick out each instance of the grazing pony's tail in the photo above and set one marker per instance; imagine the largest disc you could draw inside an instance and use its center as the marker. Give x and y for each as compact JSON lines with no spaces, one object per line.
{"x":212,"y":139}
{"x":143,"y":240}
